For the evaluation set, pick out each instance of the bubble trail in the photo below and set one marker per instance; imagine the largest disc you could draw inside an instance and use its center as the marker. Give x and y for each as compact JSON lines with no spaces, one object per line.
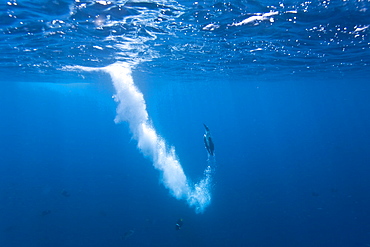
{"x":131,"y":108}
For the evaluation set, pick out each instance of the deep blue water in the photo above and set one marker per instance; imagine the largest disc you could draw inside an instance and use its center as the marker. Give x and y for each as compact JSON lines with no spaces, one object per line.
{"x":282,"y":85}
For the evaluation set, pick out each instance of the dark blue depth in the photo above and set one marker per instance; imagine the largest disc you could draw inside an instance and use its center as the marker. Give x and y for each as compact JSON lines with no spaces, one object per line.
{"x":286,"y":100}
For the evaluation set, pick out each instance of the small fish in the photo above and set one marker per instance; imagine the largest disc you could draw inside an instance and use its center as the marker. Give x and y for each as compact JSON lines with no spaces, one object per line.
{"x":46,"y":212}
{"x":179,"y":224}
{"x":65,"y":193}
{"x":128,"y":234}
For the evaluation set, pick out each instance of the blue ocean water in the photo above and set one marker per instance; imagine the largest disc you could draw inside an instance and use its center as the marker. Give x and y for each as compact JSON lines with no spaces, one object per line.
{"x":102,"y":106}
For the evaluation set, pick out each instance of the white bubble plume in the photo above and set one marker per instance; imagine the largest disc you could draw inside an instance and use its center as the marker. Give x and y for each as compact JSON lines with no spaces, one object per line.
{"x":131,"y":108}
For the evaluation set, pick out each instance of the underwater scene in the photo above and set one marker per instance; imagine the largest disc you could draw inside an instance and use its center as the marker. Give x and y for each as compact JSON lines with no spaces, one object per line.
{"x":185,"y":123}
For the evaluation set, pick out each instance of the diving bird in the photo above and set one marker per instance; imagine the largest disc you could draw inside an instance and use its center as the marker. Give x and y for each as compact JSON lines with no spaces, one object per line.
{"x":208,"y":141}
